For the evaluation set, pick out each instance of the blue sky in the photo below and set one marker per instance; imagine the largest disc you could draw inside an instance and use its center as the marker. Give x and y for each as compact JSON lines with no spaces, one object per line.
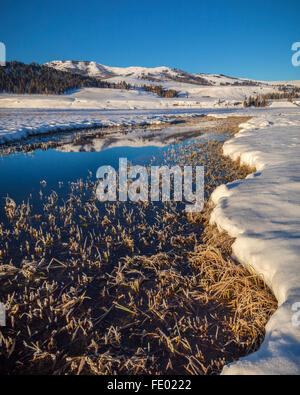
{"x":234,"y":37}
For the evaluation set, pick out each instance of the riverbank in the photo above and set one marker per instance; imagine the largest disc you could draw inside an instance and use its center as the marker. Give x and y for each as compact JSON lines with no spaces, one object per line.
{"x":111,"y":287}
{"x":262,"y":213}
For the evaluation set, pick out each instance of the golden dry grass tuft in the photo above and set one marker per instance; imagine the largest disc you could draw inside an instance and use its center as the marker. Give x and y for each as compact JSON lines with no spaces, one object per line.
{"x":239,"y":288}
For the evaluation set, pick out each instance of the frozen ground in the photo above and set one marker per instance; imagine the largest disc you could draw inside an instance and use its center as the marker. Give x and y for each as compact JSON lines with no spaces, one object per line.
{"x":16,"y":124}
{"x":262,"y":211}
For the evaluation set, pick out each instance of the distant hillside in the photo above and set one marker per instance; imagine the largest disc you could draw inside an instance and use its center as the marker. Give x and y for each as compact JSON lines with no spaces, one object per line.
{"x":59,"y":77}
{"x":163,"y":75}
{"x":153,"y":74}
{"x":16,"y":77}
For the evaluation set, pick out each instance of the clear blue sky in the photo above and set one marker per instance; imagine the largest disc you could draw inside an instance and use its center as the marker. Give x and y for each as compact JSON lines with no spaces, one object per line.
{"x":235,"y":37}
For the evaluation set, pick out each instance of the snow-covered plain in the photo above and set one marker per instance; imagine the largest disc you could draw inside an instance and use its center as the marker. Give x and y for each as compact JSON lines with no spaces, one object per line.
{"x":108,"y":99}
{"x":262,"y":212}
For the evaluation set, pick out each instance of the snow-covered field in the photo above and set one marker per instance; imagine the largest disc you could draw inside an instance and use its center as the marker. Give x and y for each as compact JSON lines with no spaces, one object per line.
{"x":262,"y":212}
{"x":191,"y":96}
{"x":107,"y":99}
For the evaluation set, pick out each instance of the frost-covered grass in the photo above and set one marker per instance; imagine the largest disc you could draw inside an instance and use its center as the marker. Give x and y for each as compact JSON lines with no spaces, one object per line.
{"x":122,"y":289}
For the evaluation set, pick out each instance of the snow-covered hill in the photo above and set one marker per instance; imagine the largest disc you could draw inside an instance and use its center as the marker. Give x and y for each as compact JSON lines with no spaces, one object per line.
{"x":194,"y":90}
{"x":132,"y":74}
{"x":161,"y":74}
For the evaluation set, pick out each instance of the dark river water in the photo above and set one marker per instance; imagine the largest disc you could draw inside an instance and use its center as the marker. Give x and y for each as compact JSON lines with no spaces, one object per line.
{"x":22,"y":174}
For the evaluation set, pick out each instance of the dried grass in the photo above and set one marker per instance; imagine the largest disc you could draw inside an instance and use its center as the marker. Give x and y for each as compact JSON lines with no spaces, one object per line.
{"x":112,"y":290}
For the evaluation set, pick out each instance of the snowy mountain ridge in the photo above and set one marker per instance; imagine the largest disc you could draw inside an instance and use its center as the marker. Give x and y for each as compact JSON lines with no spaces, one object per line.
{"x":156,"y":74}
{"x":94,"y":69}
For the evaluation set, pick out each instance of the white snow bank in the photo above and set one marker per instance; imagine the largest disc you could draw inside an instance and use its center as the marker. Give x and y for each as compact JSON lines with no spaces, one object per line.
{"x":263,"y":213}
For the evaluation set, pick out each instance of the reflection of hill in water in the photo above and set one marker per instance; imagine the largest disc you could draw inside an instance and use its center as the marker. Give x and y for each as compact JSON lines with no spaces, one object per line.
{"x":140,"y":138}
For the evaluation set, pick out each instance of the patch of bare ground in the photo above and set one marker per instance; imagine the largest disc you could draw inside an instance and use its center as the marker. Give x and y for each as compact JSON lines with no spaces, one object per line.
{"x":127,"y":288}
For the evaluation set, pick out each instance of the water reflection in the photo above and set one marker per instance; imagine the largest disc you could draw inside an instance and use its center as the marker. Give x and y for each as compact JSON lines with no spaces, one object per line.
{"x":75,"y":155}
